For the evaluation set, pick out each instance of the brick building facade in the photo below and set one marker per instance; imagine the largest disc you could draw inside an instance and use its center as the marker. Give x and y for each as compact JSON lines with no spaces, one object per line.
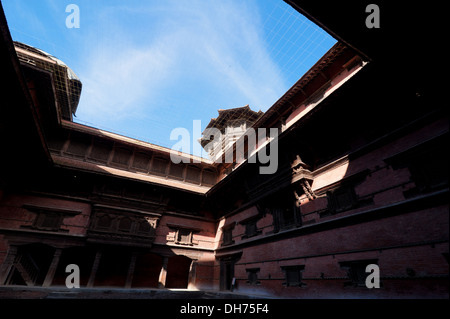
{"x":361,"y":178}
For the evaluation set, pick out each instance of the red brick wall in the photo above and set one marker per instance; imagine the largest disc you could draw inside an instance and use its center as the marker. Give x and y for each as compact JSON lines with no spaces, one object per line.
{"x":13,"y":214}
{"x":401,"y":241}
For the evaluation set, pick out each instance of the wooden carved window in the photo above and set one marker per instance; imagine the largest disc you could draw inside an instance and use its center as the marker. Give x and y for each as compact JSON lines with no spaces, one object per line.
{"x":104,"y":222}
{"x":251,"y":228}
{"x":184,"y":237}
{"x":145,"y":227}
{"x":125,"y":224}
{"x":227,"y":234}
{"x":48,"y":221}
{"x":286,"y":217}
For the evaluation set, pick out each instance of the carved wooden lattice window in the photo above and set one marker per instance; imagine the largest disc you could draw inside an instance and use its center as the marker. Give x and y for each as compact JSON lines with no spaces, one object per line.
{"x":125,"y":224}
{"x":144,"y":228}
{"x":103,"y":222}
{"x":117,"y":224}
{"x":47,"y":221}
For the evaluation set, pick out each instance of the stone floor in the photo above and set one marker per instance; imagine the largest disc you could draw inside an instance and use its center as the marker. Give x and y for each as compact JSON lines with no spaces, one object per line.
{"x":23,"y":292}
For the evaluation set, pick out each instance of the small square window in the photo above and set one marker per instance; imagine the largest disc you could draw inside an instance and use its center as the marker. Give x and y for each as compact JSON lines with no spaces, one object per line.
{"x":293,"y":275}
{"x":252,"y":275}
{"x":341,"y":199}
{"x":251,"y":229}
{"x":286,"y":217}
{"x":356,"y":271}
{"x":184,"y":237}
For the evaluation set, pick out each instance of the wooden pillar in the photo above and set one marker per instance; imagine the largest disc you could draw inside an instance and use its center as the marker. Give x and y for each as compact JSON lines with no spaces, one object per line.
{"x":94,"y":268}
{"x":7,"y":265}
{"x":52,"y":269}
{"x":131,"y":270}
{"x":163,"y":273}
{"x":192,"y":274}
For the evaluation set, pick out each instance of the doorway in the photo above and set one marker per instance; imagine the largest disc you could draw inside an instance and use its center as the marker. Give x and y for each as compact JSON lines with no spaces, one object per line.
{"x":227,"y":274}
{"x":178,"y":272}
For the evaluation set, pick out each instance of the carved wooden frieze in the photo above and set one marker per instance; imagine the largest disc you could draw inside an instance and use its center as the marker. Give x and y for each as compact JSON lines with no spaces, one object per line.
{"x":110,"y":225}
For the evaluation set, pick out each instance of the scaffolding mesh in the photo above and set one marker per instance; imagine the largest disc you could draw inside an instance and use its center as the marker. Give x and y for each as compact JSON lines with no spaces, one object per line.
{"x":232,"y":124}
{"x":67,"y":84}
{"x":244,"y":113}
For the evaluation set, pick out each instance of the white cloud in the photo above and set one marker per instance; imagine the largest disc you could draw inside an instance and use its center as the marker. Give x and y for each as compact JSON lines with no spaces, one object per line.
{"x":233,"y":52}
{"x":131,"y":69}
{"x":115,"y":82}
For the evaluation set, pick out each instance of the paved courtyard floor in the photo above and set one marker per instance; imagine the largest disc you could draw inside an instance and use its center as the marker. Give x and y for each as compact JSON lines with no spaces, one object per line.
{"x":24,"y":292}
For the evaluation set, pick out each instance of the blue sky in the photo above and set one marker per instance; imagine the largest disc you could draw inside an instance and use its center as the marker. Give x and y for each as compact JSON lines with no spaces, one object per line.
{"x":150,"y":66}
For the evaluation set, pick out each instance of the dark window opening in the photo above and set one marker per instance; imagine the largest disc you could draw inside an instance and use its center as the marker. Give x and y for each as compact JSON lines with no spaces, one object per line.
{"x":429,"y":173}
{"x":227,"y":232}
{"x":356,"y":271}
{"x":48,"y":221}
{"x":103,"y":222}
{"x":251,"y":229}
{"x":252,"y":276}
{"x":293,"y":276}
{"x":144,"y":227}
{"x":283,"y":207}
{"x":446,"y":256}
{"x":184,"y":237}
{"x":341,"y":199}
{"x":427,"y":164}
{"x":125,"y":224}
{"x":287,"y":217}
